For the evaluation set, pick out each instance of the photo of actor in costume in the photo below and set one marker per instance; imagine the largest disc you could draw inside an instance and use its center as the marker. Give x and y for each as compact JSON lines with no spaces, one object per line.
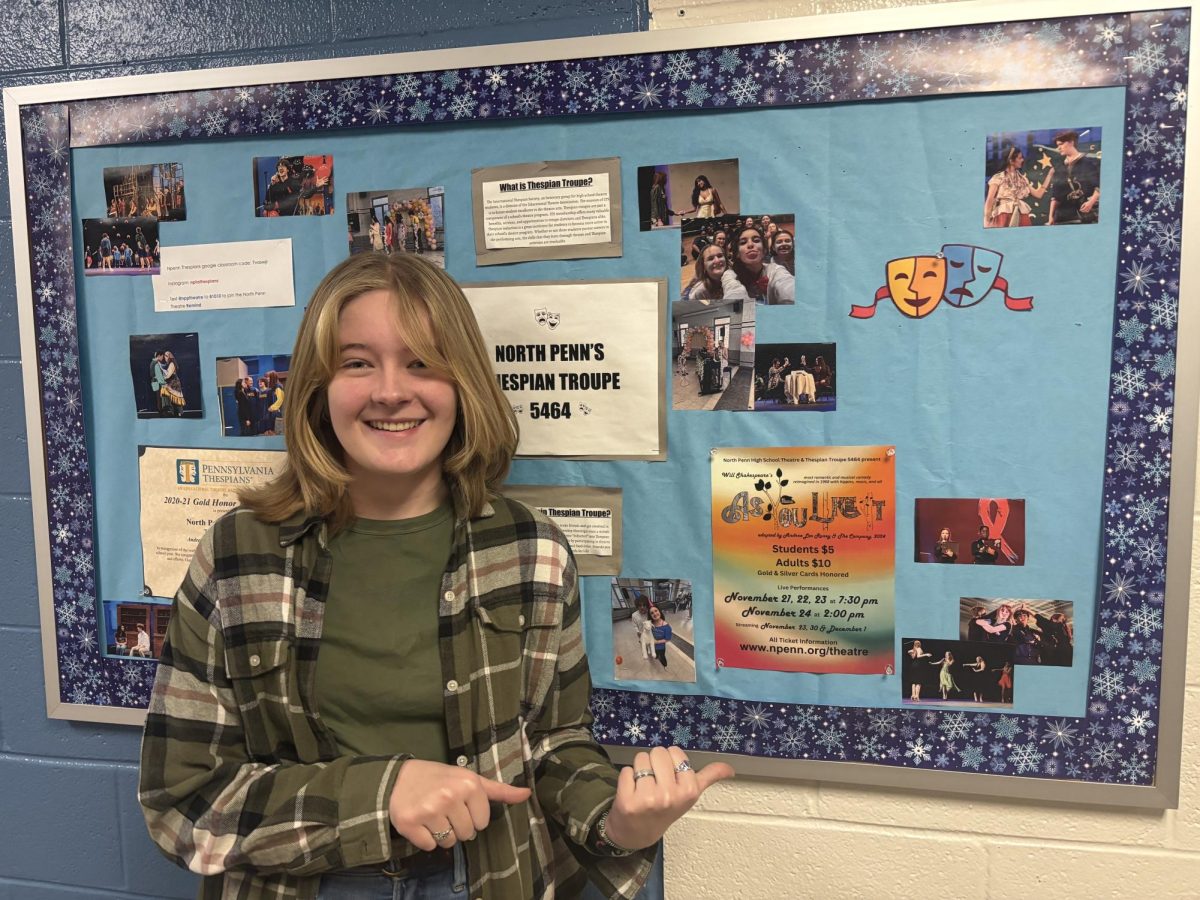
{"x":166,"y":375}
{"x":669,"y":192}
{"x":293,"y":186}
{"x":1048,"y":176}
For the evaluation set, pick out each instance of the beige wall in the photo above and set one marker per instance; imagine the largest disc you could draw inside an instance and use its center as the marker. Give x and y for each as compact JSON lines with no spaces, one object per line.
{"x":765,"y":839}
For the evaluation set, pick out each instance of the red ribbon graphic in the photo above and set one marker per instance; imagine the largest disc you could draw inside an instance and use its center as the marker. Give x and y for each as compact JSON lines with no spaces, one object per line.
{"x":866,"y":312}
{"x":1016,"y":304}
{"x":995,"y":524}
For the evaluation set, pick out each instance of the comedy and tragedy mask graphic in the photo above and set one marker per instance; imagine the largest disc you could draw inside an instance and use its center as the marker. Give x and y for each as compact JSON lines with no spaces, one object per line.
{"x":545,"y":318}
{"x":961,"y":274}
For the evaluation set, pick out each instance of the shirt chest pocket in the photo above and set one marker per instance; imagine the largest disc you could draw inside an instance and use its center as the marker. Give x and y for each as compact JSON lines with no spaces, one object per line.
{"x":260,"y":678}
{"x":519,"y":644}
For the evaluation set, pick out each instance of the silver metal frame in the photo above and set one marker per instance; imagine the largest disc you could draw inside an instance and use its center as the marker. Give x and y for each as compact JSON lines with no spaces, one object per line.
{"x":1166,"y":789}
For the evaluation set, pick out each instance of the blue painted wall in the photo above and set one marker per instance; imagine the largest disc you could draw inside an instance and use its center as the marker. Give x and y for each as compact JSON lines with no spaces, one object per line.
{"x":69,"y":822}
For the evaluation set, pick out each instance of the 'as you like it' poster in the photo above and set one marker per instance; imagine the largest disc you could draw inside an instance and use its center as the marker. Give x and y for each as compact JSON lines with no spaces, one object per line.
{"x":804,"y":558}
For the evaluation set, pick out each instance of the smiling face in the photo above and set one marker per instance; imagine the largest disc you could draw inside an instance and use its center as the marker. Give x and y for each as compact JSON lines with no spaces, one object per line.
{"x":916,"y":283}
{"x":970,"y":273}
{"x":750,"y":249}
{"x":656,"y":615}
{"x":713,"y":262}
{"x":783,"y":246}
{"x":391,"y":415}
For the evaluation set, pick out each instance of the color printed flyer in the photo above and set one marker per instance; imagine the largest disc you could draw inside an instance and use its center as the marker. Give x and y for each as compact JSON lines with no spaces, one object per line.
{"x":804,"y":558}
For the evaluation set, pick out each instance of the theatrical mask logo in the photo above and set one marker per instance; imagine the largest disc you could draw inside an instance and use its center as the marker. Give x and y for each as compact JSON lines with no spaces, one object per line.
{"x":961,"y":274}
{"x":545,"y":318}
{"x":187,"y":471}
{"x":916,"y":284}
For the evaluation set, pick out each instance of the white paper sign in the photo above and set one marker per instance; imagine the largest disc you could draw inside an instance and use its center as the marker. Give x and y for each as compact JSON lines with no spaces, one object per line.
{"x":547,"y":211}
{"x":588,"y":529}
{"x":579,"y":363}
{"x":225,"y":276}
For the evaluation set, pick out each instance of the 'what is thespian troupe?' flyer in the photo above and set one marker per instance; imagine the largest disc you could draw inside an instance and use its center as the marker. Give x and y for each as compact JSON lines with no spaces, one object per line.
{"x":804,"y":558}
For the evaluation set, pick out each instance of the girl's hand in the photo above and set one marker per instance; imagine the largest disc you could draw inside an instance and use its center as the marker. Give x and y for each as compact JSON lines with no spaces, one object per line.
{"x":436,"y":805}
{"x":647,"y":805}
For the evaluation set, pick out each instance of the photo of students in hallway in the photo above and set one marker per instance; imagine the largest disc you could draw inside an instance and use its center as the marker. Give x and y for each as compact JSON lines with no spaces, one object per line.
{"x":652,"y":630}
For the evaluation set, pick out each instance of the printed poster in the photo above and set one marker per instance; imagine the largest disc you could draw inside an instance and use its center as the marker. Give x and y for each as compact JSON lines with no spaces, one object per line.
{"x":580,"y":364}
{"x":183,"y":491}
{"x":804,"y":558}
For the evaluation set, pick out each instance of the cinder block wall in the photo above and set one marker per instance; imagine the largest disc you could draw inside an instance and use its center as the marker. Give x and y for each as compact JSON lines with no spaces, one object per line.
{"x":69,"y":823}
{"x":766,"y":839}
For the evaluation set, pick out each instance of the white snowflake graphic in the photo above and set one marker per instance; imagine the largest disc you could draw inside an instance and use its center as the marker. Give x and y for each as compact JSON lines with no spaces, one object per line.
{"x":1159,"y":419}
{"x":1137,"y":278}
{"x":679,"y":66}
{"x":462,"y":105}
{"x":1025,"y":758}
{"x":1146,"y":620}
{"x":727,"y":737}
{"x":1177,"y":97}
{"x":634,"y":730}
{"x":1164,"y":311}
{"x":1108,"y":683}
{"x":744,"y":90}
{"x":918,"y":751}
{"x":1109,"y":34}
{"x":955,"y":726}
{"x":1129,"y":382}
{"x":782,"y":57}
{"x":1137,"y":722}
{"x":1060,"y":733}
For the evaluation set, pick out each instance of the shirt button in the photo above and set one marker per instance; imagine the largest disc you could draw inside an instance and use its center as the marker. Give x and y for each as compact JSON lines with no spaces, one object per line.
{"x":448,"y":596}
{"x":452,"y":685}
{"x":255,"y":659}
{"x":520,"y":620}
{"x":461,"y":761}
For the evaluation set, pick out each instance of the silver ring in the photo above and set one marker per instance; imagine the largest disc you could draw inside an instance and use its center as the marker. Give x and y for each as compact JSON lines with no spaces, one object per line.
{"x":684,"y":766}
{"x":642,"y":773}
{"x":440,"y":836}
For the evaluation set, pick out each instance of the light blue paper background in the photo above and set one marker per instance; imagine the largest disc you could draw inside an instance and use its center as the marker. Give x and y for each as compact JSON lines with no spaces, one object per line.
{"x":979,"y":402}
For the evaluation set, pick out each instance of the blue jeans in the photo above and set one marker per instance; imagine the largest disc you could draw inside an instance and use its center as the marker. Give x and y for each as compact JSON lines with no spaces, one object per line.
{"x":448,"y":884}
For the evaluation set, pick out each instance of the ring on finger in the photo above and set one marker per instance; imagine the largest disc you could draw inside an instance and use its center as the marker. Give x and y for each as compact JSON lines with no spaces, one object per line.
{"x":440,"y":836}
{"x":683,"y":766}
{"x":643,"y":773}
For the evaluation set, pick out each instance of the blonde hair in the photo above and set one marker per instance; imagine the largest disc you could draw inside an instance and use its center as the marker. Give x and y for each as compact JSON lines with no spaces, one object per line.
{"x":440,"y":327}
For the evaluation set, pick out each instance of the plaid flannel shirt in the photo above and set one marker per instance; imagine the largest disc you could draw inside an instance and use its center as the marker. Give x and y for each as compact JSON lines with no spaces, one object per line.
{"x":243,"y":784}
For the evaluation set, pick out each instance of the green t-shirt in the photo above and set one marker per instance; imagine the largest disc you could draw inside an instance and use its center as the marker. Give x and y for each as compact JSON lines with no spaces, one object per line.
{"x":379,"y":673}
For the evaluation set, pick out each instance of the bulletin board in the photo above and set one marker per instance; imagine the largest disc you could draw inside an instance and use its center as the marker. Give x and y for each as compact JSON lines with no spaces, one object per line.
{"x":1046,"y":408}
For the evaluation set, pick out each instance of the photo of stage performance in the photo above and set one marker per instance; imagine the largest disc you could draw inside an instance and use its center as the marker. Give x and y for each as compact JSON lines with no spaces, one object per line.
{"x":406,"y":220}
{"x":293,"y":186}
{"x":942,"y":673}
{"x":983,"y":531}
{"x":121,"y":246}
{"x":712,"y":347}
{"x":1042,"y":631}
{"x":1046,"y":176}
{"x":155,"y":190}
{"x":795,"y":377}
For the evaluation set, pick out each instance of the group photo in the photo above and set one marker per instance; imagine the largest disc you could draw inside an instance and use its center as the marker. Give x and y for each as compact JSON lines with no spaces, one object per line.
{"x":1041,"y":631}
